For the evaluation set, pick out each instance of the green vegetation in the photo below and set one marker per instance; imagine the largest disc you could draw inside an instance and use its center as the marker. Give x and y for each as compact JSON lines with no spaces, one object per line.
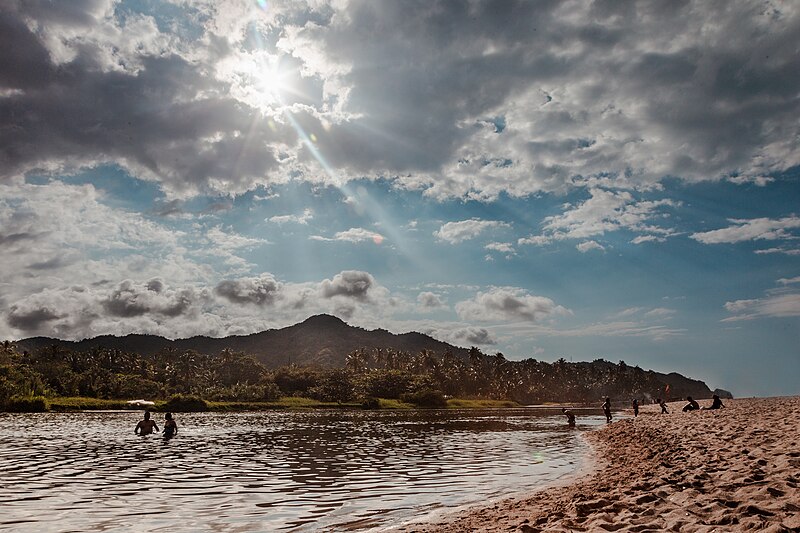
{"x":380,"y":378}
{"x":32,"y":404}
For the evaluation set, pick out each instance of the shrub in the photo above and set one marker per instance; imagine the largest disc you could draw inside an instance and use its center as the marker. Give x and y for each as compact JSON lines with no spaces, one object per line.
{"x":433,"y":399}
{"x":371,"y":403}
{"x":185,"y":404}
{"x":31,"y":404}
{"x":387,"y":383}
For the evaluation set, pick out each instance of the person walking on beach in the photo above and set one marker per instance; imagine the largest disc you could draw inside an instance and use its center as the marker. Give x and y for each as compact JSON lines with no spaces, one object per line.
{"x":691,"y":406}
{"x":607,"y":409}
{"x":635,"y":407}
{"x":170,"y":427}
{"x":146,"y":426}
{"x":570,"y":417}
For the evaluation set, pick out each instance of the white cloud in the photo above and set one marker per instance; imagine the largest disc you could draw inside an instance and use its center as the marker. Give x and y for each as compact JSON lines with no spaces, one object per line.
{"x":774,"y":305}
{"x":785,"y":251}
{"x":508,"y":303}
{"x":430,"y":300}
{"x":752,"y":229}
{"x":509,"y":109}
{"x":605,"y":211}
{"x":788,"y":281}
{"x":354,"y":235}
{"x":303,"y":219}
{"x":456,"y":232}
{"x":502,"y":247}
{"x":589,"y":245}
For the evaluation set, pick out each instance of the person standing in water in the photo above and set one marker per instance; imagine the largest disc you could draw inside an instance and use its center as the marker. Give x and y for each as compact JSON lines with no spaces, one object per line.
{"x":146,"y":426}
{"x":635,"y":407}
{"x":170,"y":427}
{"x":570,"y":417}
{"x":607,"y":409}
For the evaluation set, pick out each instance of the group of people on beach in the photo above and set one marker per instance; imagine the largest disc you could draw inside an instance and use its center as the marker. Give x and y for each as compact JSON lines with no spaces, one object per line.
{"x":716,"y":403}
{"x":148,"y":426}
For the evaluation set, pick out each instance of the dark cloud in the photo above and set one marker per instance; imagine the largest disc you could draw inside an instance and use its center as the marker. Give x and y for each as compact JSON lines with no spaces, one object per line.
{"x":30,"y":319}
{"x":349,"y":283}
{"x":465,"y":98}
{"x":130,"y":300}
{"x":471,"y":335}
{"x":13,"y":238}
{"x":257,"y":291}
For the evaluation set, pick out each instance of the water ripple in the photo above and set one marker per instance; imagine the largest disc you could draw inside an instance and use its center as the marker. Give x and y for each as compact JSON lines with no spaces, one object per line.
{"x":296,"y":471}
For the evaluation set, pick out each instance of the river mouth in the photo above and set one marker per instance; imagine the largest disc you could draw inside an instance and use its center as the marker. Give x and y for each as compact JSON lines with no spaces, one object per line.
{"x":273,"y":471}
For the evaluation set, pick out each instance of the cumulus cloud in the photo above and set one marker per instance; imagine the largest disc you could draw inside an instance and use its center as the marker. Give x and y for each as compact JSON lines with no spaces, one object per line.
{"x":508,"y":304}
{"x":749,"y":230}
{"x":430,"y":300}
{"x":157,"y":307}
{"x":473,"y":335}
{"x":353,"y":284}
{"x":595,"y":92}
{"x":262,"y":290}
{"x":456,"y":232}
{"x":605,"y":211}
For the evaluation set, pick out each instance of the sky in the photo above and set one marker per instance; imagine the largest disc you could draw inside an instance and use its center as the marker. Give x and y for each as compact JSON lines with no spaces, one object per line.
{"x":616,"y":180}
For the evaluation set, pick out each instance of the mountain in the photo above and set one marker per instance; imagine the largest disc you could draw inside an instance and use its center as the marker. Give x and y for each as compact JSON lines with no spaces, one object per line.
{"x":321,"y":340}
{"x":324,"y":341}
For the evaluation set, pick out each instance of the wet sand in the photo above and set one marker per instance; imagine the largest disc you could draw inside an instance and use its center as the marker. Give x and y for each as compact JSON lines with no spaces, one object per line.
{"x":735,"y":469}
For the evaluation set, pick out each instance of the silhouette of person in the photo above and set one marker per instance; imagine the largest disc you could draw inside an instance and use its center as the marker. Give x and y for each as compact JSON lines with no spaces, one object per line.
{"x":607,"y":409}
{"x":635,"y":407}
{"x":570,"y":417}
{"x":170,"y":427}
{"x":691,"y":406}
{"x":663,"y":405}
{"x":146,"y":426}
{"x":716,"y":403}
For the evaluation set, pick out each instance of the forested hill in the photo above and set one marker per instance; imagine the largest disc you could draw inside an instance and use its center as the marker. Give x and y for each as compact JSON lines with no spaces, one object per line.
{"x":326,"y":342}
{"x":321,"y":340}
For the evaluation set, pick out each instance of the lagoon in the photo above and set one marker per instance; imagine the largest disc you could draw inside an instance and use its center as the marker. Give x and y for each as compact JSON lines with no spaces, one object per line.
{"x":331,"y":470}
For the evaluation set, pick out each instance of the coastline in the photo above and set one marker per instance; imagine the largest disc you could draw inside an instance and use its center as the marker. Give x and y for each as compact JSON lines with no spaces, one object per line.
{"x":733,"y":469}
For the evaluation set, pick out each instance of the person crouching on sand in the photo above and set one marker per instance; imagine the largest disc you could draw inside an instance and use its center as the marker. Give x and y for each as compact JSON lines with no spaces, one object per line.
{"x":570,"y":417}
{"x":607,"y":409}
{"x":716,"y":403}
{"x":146,"y":426}
{"x":691,"y":406}
{"x":663,"y":405}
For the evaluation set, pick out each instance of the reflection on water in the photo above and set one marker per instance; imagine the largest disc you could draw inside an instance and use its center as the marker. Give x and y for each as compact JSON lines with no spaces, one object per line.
{"x":303,"y":471}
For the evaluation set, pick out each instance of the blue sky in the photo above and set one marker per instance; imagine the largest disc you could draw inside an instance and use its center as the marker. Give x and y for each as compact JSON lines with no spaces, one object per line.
{"x":575,"y":180}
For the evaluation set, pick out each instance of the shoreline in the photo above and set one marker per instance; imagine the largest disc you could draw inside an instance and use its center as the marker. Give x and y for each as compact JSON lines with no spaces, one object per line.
{"x":706,"y":471}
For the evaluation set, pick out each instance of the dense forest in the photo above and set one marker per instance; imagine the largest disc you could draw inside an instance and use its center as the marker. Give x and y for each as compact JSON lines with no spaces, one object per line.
{"x":383,"y":373}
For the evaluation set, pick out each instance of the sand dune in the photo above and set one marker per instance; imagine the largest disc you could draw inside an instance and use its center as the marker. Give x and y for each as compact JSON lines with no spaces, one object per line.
{"x":736,"y":469}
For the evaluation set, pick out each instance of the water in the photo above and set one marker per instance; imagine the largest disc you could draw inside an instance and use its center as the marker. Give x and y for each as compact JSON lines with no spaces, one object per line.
{"x":273,"y":471}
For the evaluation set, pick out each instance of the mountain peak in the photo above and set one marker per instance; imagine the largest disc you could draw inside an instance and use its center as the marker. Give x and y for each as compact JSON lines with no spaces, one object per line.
{"x":323,"y":320}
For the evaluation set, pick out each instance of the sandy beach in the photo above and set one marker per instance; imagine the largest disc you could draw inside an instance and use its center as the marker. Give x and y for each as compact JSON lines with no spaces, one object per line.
{"x":735,"y":469}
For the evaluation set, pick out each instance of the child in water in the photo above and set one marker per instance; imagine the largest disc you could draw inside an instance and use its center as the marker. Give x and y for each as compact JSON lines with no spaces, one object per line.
{"x":170,"y":427}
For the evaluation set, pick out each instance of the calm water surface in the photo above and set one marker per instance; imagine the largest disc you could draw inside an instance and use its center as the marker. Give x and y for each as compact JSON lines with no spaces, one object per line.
{"x":273,"y":471}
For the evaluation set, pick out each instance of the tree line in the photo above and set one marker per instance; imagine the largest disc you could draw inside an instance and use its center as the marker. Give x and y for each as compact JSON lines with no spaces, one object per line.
{"x":375,"y":373}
